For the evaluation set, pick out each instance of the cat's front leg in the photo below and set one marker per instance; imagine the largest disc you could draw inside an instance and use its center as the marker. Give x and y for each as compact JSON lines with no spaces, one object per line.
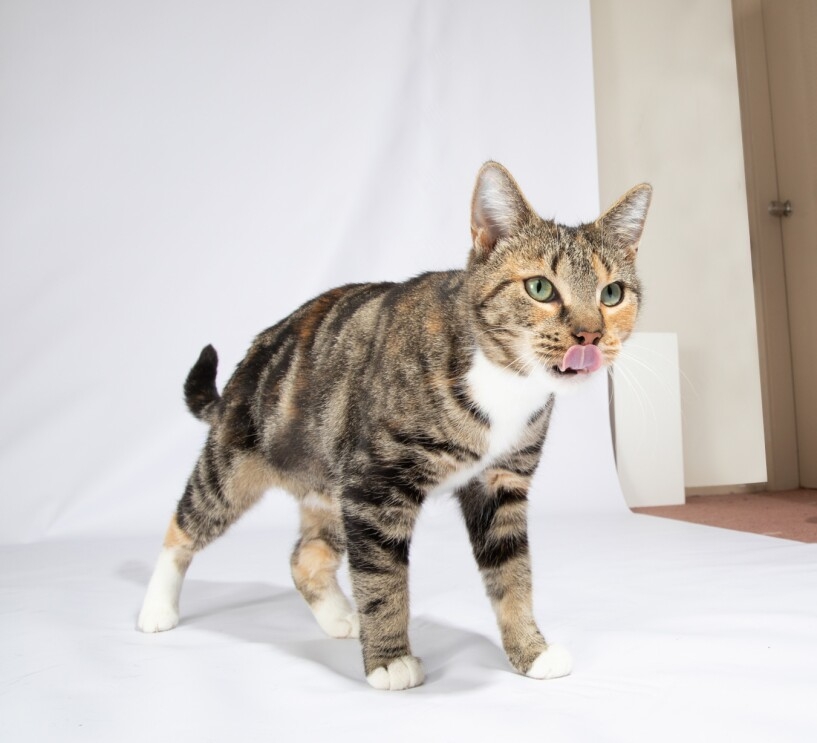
{"x":379,"y":521}
{"x":495,"y":510}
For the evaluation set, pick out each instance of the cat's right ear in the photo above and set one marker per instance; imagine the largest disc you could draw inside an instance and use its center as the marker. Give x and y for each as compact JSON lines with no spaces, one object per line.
{"x":622,"y":224}
{"x":498,"y":209}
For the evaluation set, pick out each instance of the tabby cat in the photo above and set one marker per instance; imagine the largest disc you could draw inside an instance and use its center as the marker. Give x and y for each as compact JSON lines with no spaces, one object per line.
{"x":372,"y":397}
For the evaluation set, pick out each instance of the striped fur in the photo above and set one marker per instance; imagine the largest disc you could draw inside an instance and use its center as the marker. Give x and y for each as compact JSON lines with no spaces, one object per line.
{"x":372,"y":396}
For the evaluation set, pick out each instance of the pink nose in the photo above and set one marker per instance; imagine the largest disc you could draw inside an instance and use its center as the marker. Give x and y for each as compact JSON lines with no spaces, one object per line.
{"x":588,"y":339}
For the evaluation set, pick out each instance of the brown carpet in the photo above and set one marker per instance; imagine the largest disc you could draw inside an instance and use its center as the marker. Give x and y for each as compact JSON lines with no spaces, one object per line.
{"x":788,"y":515}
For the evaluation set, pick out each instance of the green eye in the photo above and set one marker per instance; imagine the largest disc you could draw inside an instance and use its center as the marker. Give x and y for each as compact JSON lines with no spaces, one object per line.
{"x":540,"y":289}
{"x":612,"y":294}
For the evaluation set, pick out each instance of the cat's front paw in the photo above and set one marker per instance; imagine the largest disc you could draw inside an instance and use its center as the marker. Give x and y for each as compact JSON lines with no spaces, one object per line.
{"x":156,"y":617}
{"x":552,"y":663}
{"x":401,"y":673}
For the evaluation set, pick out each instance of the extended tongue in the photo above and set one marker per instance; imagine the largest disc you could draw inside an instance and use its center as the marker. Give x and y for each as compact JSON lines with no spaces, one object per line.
{"x":582,"y":358}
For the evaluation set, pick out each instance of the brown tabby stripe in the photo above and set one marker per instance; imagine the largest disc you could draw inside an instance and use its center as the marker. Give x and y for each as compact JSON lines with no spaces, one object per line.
{"x":482,"y":516}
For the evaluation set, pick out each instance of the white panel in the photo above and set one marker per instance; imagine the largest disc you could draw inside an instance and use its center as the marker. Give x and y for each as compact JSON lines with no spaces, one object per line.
{"x":647,"y":405}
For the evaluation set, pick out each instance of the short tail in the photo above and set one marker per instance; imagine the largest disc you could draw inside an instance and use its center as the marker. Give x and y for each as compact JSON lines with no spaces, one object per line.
{"x":200,"y":391}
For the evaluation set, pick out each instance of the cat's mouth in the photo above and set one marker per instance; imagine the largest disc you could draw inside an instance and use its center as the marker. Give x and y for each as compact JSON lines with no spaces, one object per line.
{"x":568,"y":372}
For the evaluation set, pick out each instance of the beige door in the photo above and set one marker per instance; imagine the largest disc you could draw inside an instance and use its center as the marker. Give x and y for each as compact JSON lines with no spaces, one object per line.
{"x":776,"y":42}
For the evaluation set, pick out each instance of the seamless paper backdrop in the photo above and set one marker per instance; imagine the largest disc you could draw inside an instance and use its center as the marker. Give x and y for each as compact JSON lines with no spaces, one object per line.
{"x":179,"y":173}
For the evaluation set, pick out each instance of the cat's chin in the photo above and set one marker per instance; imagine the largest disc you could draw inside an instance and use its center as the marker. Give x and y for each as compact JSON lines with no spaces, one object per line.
{"x":570,"y":380}
{"x":567,"y":373}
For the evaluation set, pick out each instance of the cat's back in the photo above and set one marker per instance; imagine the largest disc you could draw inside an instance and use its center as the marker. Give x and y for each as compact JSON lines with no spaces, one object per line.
{"x":342,"y":322}
{"x":289,"y":343}
{"x":340,"y":356}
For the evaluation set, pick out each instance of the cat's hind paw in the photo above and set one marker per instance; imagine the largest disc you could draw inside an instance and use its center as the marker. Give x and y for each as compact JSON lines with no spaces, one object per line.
{"x":156,"y":617}
{"x":339,"y":627}
{"x":401,"y":673}
{"x":552,"y":663}
{"x":337,"y":618}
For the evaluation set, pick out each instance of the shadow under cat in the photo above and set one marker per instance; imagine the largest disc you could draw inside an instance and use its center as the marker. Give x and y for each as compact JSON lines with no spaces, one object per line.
{"x":269,"y":614}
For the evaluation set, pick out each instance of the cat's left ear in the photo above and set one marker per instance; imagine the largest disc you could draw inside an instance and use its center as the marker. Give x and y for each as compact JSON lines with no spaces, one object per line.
{"x":498,"y":209}
{"x":622,"y":224}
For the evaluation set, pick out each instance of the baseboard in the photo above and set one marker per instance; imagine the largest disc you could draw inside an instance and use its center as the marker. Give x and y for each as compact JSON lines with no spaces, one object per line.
{"x":752,"y":487}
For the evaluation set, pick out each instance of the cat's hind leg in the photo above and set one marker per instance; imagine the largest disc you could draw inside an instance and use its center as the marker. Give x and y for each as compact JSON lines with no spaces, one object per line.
{"x":160,"y":608}
{"x":222,"y":487}
{"x":315,"y":561}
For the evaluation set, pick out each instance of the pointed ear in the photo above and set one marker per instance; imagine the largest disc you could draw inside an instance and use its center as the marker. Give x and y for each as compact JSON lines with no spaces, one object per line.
{"x":622,"y":224}
{"x":498,"y":208}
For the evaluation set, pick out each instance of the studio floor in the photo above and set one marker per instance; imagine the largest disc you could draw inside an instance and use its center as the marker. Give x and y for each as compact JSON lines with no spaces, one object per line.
{"x":679,"y":632}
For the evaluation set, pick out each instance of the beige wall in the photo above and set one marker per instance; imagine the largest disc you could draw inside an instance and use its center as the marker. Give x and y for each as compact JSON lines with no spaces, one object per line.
{"x":667,"y":112}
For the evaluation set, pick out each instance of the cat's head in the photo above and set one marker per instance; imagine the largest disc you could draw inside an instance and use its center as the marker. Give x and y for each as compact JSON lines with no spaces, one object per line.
{"x":549,"y":297}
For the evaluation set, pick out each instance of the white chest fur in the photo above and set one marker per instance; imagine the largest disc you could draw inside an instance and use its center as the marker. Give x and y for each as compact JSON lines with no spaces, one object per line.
{"x":509,"y":400}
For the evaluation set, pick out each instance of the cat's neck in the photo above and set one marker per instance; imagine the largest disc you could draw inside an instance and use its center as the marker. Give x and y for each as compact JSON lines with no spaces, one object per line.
{"x":510,"y":401}
{"x":509,"y":398}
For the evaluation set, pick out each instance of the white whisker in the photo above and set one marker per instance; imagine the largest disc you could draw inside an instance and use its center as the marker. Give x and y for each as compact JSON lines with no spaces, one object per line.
{"x":684,"y":376}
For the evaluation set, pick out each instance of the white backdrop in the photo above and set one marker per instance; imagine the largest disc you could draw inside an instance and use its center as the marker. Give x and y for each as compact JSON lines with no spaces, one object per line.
{"x":177,"y":173}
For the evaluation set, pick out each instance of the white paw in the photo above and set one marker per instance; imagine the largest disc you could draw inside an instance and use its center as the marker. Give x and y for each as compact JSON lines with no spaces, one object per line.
{"x":157,"y":617}
{"x":160,"y":608}
{"x":340,"y":627}
{"x":337,"y":618}
{"x":553,"y":663}
{"x":401,"y":673}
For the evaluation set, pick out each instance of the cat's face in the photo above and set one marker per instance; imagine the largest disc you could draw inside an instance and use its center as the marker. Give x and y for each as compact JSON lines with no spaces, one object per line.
{"x":549,"y":297}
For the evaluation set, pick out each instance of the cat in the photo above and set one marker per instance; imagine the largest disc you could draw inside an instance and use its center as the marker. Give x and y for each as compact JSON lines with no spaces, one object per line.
{"x":371,"y":397}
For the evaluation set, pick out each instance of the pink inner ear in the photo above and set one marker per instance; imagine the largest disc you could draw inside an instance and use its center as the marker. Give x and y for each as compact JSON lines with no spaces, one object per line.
{"x":582,"y":358}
